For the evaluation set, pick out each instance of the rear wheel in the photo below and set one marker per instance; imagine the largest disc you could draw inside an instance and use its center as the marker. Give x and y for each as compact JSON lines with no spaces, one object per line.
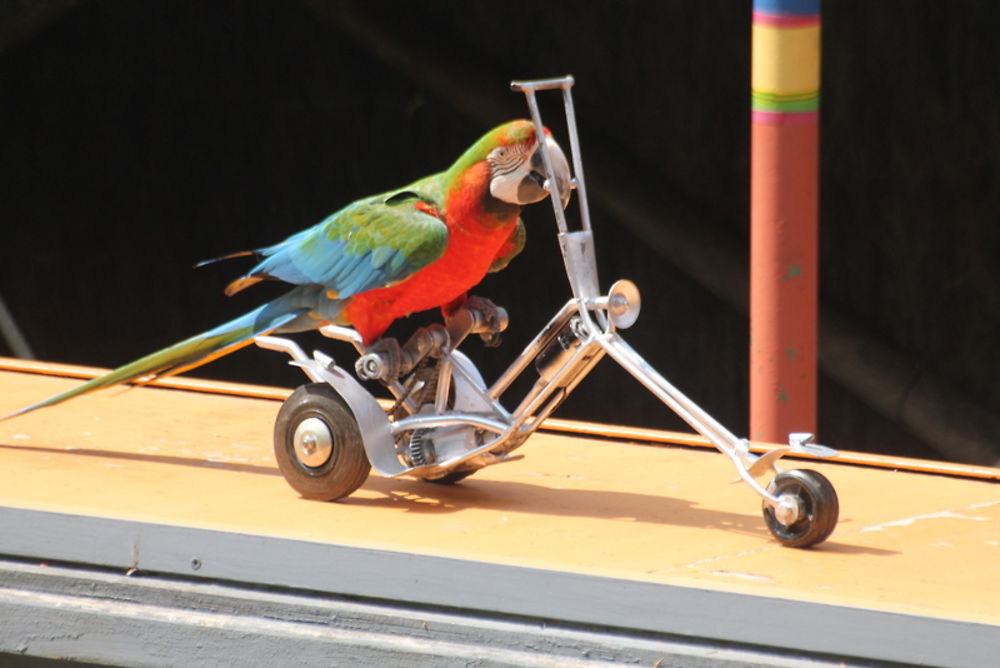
{"x":427,"y":373}
{"x":318,"y":445}
{"x":450,"y":478}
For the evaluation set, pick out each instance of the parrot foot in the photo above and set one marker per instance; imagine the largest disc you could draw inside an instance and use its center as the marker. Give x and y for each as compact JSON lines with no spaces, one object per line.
{"x":478,"y":315}
{"x":387,"y":361}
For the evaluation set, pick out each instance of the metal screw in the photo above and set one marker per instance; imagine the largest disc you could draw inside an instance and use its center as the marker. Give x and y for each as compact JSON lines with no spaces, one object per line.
{"x":195,"y":564}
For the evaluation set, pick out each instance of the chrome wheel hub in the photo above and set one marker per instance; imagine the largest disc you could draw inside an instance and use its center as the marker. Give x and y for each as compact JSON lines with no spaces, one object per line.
{"x":788,"y":511}
{"x":313,"y":442}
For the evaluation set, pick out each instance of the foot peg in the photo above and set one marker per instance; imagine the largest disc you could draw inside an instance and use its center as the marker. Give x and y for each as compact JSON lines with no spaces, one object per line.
{"x":386,"y":360}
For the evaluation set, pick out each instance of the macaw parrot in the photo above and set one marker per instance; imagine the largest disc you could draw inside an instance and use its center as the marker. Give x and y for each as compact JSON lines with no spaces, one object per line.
{"x":381,"y":258}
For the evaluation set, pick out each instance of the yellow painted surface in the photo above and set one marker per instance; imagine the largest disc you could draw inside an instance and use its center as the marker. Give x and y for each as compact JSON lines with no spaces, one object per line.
{"x":907,"y":542}
{"x":785,"y":60}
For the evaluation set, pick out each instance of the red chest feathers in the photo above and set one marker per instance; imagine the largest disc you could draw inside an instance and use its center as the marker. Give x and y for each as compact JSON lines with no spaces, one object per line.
{"x":475,"y":239}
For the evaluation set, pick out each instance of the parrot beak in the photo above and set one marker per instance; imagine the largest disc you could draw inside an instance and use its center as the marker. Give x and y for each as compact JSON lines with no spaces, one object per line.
{"x":537,"y":185}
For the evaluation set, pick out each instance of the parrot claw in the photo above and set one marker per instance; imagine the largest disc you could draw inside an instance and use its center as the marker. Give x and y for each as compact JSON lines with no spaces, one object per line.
{"x":387,"y":361}
{"x":489,"y":319}
{"x":491,"y":339}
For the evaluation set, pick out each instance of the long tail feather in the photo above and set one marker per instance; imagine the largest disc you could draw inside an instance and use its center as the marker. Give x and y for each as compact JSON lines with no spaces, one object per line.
{"x":187,"y":354}
{"x":230,"y":256}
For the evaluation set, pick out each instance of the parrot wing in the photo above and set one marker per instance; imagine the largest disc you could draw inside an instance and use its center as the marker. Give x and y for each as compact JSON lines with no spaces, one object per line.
{"x":372,"y":243}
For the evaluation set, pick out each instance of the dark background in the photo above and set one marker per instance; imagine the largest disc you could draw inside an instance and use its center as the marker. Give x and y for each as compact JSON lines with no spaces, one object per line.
{"x":141,"y":137}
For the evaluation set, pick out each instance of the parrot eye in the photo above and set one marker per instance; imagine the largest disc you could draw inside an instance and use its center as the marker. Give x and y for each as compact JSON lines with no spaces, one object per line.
{"x":503,"y":159}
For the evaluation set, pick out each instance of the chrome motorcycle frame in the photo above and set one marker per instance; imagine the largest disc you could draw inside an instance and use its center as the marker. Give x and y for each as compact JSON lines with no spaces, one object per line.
{"x":467,"y":423}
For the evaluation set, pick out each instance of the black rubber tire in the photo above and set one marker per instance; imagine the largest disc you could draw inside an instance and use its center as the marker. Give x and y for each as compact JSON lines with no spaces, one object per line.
{"x":345,"y":469}
{"x":820,"y":508}
{"x":450,"y":478}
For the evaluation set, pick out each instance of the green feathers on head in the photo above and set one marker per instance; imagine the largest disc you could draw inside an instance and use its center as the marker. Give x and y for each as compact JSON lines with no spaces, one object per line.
{"x":511,"y":132}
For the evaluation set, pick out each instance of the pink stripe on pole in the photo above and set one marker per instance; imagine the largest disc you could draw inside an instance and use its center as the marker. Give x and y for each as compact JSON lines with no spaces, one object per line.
{"x":785,"y":20}
{"x":784,"y":118}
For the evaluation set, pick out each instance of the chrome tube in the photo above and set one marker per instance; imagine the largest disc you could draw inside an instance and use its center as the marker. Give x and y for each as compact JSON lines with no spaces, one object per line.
{"x":531,"y":351}
{"x":723,"y":439}
{"x":430,"y":420}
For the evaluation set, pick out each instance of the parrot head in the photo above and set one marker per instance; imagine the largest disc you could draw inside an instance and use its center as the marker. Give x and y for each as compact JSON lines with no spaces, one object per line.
{"x":516,"y":167}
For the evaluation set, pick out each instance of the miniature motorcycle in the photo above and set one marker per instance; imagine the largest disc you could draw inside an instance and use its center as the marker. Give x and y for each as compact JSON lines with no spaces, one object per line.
{"x":447,"y":423}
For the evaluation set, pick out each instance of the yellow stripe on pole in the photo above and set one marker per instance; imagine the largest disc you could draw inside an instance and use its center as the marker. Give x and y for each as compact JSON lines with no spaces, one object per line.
{"x":785,"y":60}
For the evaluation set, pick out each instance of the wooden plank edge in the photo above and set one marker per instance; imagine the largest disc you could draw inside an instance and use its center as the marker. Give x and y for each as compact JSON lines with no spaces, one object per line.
{"x":577,"y":427}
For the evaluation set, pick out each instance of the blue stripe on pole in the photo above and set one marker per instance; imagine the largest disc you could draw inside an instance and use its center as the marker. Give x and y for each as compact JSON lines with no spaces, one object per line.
{"x":794,"y":7}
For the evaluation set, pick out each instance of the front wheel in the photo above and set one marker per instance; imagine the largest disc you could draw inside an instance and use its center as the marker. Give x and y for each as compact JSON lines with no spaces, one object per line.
{"x":317,"y":444}
{"x":814,"y":500}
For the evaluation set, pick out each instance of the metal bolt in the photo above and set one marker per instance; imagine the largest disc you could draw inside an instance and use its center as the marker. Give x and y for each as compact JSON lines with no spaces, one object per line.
{"x":370,"y":366}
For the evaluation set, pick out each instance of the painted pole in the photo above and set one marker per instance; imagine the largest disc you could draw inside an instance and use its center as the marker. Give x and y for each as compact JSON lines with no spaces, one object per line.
{"x":784,"y":190}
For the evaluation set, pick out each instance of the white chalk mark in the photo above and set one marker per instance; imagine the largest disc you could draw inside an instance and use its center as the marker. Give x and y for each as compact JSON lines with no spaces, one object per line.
{"x":930,"y":516}
{"x":743,"y":576}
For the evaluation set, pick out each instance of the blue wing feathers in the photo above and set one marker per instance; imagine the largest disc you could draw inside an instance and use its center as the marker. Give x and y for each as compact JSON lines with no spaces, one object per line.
{"x":370,"y":244}
{"x":381,"y":255}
